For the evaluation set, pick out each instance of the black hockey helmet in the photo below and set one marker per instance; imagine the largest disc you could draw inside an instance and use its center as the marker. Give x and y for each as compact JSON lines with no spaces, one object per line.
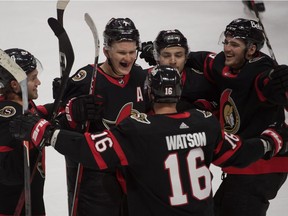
{"x":169,"y":38}
{"x":248,"y":30}
{"x":164,"y":83}
{"x":121,"y":29}
{"x":23,"y":58}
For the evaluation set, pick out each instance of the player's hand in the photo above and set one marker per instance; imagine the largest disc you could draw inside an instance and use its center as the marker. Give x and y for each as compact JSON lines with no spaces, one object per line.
{"x":276,"y":85}
{"x":277,"y":137}
{"x":147,"y":53}
{"x":32,"y":128}
{"x":84,"y":108}
{"x":56,"y":84}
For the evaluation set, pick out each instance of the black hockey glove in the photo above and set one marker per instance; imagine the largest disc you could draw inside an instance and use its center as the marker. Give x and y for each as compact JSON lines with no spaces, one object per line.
{"x":56,"y":84}
{"x":147,"y":53}
{"x":276,"y":85}
{"x":32,"y":128}
{"x":84,"y":108}
{"x":276,"y":138}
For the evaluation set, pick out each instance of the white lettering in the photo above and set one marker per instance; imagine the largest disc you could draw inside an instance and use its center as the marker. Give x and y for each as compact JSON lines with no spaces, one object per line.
{"x":101,"y":144}
{"x":139,"y":94}
{"x":37,"y":129}
{"x":183,"y":141}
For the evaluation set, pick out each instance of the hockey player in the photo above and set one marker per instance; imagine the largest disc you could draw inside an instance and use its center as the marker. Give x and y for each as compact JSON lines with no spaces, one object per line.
{"x":171,"y":48}
{"x":253,"y":95}
{"x":11,"y":150}
{"x":166,"y":155}
{"x":119,"y":83}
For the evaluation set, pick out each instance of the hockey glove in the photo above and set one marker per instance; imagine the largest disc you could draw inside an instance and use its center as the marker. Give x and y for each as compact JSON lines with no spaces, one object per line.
{"x":276,"y":85}
{"x":31,"y":128}
{"x":56,"y":84}
{"x":84,"y":108}
{"x":147,"y":53}
{"x":276,"y":138}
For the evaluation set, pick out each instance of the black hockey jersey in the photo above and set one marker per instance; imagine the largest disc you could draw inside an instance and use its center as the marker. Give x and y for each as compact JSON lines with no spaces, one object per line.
{"x":116,"y":92}
{"x":198,"y":91}
{"x":244,"y":110}
{"x":12,"y":164}
{"x":167,"y":159}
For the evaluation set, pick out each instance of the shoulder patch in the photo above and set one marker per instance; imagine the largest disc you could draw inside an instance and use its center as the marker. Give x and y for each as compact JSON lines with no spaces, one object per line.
{"x":7,"y":111}
{"x":140,"y":117}
{"x":206,"y":114}
{"x":79,"y":76}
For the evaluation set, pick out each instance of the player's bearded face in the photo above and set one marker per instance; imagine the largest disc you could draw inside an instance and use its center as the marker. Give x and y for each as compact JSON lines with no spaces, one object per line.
{"x":234,"y":50}
{"x":123,"y":55}
{"x":173,"y":56}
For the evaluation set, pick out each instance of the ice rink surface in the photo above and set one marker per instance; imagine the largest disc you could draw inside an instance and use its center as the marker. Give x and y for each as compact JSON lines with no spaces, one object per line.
{"x":24,"y":25}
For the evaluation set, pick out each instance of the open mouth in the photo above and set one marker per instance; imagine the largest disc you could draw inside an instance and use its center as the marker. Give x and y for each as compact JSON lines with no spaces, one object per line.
{"x":124,"y":64}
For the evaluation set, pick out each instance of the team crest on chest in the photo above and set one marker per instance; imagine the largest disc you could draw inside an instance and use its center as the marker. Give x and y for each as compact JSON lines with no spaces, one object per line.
{"x":7,"y":111}
{"x":79,"y":76}
{"x":229,"y":113}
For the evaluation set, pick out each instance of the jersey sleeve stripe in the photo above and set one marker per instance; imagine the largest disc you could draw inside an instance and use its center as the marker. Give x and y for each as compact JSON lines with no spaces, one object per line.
{"x":5,"y":149}
{"x":227,"y":155}
{"x":97,"y":156}
{"x":118,"y":150}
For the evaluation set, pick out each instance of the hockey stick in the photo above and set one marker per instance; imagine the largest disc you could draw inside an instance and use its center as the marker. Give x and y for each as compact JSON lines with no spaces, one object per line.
{"x":94,"y":31}
{"x":268,"y":44}
{"x":66,"y":50}
{"x":61,"y":6}
{"x":66,"y":60}
{"x":19,"y":74}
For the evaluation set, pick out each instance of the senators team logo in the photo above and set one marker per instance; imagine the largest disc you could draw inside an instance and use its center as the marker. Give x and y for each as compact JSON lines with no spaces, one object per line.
{"x":140,"y":117}
{"x":125,"y":111}
{"x":79,"y":76}
{"x":7,"y":111}
{"x":229,"y":114}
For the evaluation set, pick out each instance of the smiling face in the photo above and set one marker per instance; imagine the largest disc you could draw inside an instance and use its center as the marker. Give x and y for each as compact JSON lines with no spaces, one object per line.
{"x":32,"y":84}
{"x":122,"y":56}
{"x":234,"y":50}
{"x":237,"y":52}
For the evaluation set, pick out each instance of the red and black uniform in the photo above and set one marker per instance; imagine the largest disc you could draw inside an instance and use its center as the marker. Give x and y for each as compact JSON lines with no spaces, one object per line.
{"x":100,"y":192}
{"x":167,"y":172}
{"x":197,"y":92}
{"x":245,"y":111}
{"x":12,"y":164}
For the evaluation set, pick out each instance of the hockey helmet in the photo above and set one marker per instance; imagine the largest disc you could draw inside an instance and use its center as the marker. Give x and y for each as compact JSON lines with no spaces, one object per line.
{"x":248,"y":30}
{"x":169,"y":38}
{"x":164,"y":83}
{"x":121,"y":29}
{"x":24,"y":59}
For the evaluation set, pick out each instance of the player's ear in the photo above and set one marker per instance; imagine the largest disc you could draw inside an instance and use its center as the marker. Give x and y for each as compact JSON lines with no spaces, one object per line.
{"x":252,"y":48}
{"x":15,"y":86}
{"x":106,"y":53}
